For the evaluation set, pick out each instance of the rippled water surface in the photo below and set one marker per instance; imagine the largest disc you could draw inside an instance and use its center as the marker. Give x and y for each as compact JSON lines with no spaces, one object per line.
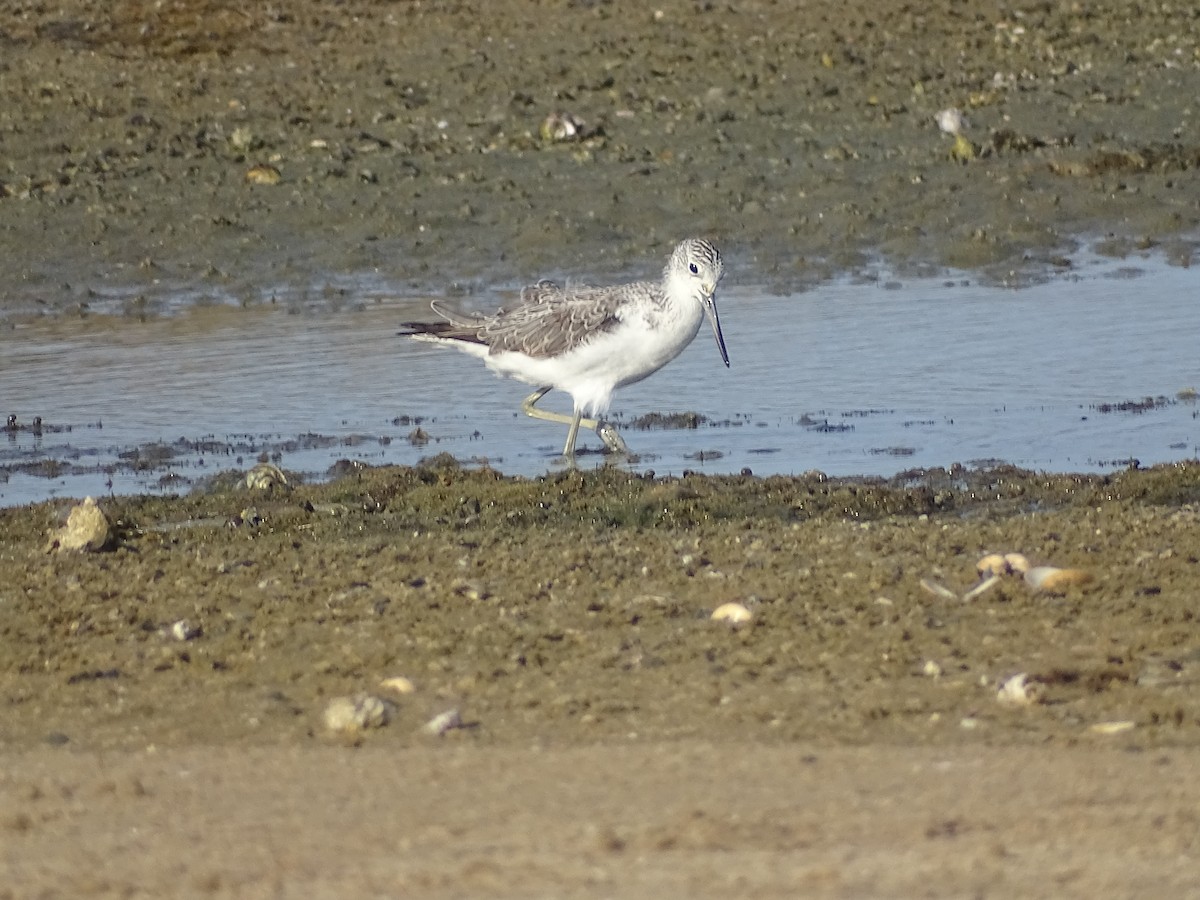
{"x":1083,"y":373}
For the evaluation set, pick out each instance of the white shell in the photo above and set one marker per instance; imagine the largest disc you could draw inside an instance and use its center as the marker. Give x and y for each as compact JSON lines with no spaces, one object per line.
{"x":443,"y":722}
{"x":398,"y":685}
{"x":561,"y":126}
{"x":263,"y":174}
{"x":951,"y":120}
{"x":732,"y":613}
{"x":183,"y":630}
{"x":1019,"y":691}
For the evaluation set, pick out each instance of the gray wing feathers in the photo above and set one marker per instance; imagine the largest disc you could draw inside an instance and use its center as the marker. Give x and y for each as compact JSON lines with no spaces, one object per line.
{"x":549,"y":319}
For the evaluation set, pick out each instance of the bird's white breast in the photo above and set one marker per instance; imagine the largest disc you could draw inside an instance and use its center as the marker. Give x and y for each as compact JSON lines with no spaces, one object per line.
{"x":648,"y":338}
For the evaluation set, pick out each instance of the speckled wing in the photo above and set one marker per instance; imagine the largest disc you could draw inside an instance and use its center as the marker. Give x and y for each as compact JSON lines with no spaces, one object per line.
{"x":551,"y":320}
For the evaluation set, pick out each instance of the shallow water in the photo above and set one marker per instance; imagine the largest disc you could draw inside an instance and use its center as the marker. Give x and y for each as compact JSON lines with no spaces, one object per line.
{"x":867,"y":378}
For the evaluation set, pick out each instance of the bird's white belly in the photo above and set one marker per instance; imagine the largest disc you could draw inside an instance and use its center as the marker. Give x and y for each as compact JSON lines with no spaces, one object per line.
{"x":593,"y":370}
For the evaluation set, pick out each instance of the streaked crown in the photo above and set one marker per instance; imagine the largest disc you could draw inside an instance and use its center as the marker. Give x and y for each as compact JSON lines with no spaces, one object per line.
{"x":696,"y":257}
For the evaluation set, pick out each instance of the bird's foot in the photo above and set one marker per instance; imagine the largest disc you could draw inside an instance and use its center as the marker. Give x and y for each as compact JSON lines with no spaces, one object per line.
{"x":612,"y":439}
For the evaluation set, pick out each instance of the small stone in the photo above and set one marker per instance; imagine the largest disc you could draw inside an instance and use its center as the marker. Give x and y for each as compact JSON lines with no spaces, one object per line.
{"x":398,"y":685}
{"x":263,"y":175}
{"x":443,"y":722}
{"x":183,"y":630}
{"x":1019,"y":691}
{"x":350,"y":715}
{"x":561,"y":126}
{"x":1112,"y":727}
{"x":951,"y":121}
{"x":732,"y":614}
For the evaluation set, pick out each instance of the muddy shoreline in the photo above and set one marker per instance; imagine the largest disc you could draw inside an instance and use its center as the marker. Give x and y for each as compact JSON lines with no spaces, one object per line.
{"x":591,"y":591}
{"x":410,"y":151}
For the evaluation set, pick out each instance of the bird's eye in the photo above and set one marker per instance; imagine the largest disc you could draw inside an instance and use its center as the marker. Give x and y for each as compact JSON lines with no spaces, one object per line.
{"x":693,"y":268}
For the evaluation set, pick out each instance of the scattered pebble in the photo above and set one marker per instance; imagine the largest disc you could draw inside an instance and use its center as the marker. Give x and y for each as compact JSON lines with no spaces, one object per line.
{"x":263,"y":175}
{"x":443,"y":722}
{"x":561,"y":126}
{"x":183,"y":630}
{"x":398,"y":685}
{"x":1019,"y":691}
{"x":350,"y":715}
{"x":87,"y":530}
{"x":732,"y":614}
{"x":472,"y":590}
{"x":951,"y":120}
{"x":241,"y":139}
{"x":932,"y":669}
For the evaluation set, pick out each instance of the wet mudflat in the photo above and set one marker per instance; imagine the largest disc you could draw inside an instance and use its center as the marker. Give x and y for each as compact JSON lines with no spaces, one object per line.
{"x":409,"y":144}
{"x":565,"y":622}
{"x":576,"y":607}
{"x":164,"y":699}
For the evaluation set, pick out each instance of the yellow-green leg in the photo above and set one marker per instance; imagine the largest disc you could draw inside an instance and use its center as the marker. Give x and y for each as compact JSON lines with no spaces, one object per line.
{"x":604,"y":430}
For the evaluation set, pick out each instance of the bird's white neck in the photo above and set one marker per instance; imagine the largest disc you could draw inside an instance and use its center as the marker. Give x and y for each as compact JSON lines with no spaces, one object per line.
{"x":681,"y":289}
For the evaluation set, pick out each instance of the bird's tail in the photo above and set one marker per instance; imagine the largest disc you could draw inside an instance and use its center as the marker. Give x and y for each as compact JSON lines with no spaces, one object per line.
{"x":455,"y":318}
{"x":429,"y":329}
{"x":457,"y":327}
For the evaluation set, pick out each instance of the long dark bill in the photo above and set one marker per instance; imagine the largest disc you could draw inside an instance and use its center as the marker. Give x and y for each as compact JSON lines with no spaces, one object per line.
{"x":710,"y":310}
